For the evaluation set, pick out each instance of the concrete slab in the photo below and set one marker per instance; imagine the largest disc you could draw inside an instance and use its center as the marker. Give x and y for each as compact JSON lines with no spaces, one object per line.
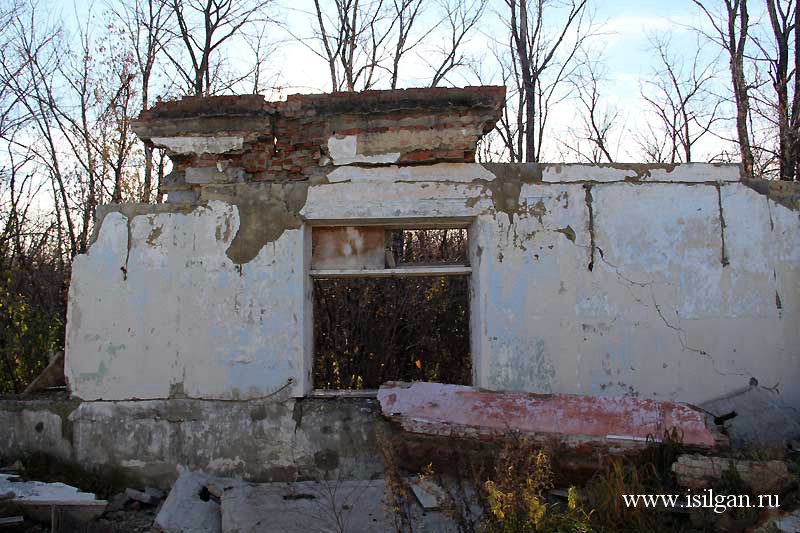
{"x":438,"y":409}
{"x":189,"y":508}
{"x":325,"y":506}
{"x":37,"y":498}
{"x":762,"y":417}
{"x":789,"y":523}
{"x":429,"y":494}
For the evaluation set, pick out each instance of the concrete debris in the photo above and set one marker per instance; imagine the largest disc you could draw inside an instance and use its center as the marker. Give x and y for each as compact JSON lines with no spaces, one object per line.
{"x":189,"y":508}
{"x":429,"y":494}
{"x":11,"y":521}
{"x":15,"y":468}
{"x":117,"y":502}
{"x":789,"y":523}
{"x":699,"y":472}
{"x":154,"y":492}
{"x":193,"y":506}
{"x":323,"y":506}
{"x":612,"y":422}
{"x":142,"y":497}
{"x":37,"y":498}
{"x":757,"y":416}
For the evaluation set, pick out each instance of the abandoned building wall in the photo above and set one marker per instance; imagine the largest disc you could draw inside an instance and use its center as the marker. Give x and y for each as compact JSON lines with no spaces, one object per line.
{"x":190,"y":324}
{"x":673,"y":291}
{"x":160,"y":311}
{"x":674,"y":283}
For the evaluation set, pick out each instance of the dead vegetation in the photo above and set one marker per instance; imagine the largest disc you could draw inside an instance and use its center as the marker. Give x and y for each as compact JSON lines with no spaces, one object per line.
{"x":516,"y":489}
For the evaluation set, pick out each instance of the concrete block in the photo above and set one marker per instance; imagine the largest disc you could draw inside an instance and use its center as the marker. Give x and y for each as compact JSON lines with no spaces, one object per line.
{"x":217,"y":144}
{"x":183,"y":197}
{"x":209,"y":175}
{"x":699,"y":472}
{"x":186,"y":511}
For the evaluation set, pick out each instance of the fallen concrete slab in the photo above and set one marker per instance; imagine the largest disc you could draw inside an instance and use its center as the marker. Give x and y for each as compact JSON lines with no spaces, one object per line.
{"x":319,"y":506}
{"x":190,"y":507}
{"x":757,"y":416}
{"x":612,"y":421}
{"x":37,"y":498}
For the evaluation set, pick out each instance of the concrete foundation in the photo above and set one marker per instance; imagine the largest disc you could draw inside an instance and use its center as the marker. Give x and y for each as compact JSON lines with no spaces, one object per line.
{"x":259,"y":440}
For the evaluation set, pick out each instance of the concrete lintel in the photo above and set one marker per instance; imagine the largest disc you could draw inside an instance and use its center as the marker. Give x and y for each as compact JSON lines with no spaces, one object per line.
{"x":442,"y":172}
{"x":200,"y":145}
{"x":681,"y":173}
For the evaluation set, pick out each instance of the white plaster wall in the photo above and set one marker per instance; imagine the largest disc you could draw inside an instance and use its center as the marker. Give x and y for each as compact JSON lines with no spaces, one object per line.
{"x":186,"y":321}
{"x":663,"y":312}
{"x":659,"y":315}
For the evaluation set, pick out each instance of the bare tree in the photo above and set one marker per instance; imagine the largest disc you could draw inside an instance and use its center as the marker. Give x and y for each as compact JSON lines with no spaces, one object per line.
{"x":203,"y":26}
{"x":784,"y":62}
{"x":535,"y":52}
{"x":679,"y":94}
{"x":460,"y":19}
{"x":405,"y":14}
{"x":355,"y":37}
{"x":145,"y":24}
{"x":731,"y":25}
{"x":598,"y":119}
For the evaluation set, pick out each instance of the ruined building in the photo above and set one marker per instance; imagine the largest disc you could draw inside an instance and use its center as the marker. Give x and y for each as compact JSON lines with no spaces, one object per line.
{"x":190,"y":331}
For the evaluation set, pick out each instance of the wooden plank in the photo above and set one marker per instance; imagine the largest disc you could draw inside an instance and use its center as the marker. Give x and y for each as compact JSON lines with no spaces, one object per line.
{"x":450,"y":270}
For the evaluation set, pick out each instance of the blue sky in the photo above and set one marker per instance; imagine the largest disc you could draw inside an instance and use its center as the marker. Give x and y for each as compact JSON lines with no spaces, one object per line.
{"x":627,"y":58}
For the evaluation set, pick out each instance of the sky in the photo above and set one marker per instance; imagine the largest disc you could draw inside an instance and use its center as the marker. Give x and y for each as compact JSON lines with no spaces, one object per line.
{"x":622,"y":45}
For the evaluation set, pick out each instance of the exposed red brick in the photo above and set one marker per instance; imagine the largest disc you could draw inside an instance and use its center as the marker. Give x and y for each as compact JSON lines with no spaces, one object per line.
{"x":286,"y":140}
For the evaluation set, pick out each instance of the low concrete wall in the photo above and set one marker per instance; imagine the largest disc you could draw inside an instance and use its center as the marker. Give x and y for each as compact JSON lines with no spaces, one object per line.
{"x":260,"y":440}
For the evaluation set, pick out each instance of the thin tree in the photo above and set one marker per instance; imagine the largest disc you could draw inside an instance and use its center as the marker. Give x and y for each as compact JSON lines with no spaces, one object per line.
{"x":534,"y":52}
{"x":355,"y":39}
{"x":203,"y":26}
{"x":730,"y":28}
{"x":145,"y":23}
{"x":460,"y":20}
{"x":598,"y":120}
{"x":784,"y":62}
{"x":679,"y":94}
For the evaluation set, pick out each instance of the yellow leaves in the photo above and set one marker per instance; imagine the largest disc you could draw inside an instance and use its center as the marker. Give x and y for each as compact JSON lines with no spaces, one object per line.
{"x":536,"y":509}
{"x":573,"y":499}
{"x":418,"y":363}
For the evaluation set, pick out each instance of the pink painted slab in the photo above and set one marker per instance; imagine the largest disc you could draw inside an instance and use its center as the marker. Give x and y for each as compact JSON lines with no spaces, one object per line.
{"x":438,"y":409}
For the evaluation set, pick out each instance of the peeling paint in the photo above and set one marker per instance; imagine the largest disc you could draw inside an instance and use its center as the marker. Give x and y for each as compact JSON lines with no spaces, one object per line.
{"x":265,"y":212}
{"x":154,"y":235}
{"x":568,"y":232}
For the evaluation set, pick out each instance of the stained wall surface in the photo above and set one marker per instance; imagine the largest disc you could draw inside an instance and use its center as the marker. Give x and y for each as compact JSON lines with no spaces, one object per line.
{"x":678,"y":283}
